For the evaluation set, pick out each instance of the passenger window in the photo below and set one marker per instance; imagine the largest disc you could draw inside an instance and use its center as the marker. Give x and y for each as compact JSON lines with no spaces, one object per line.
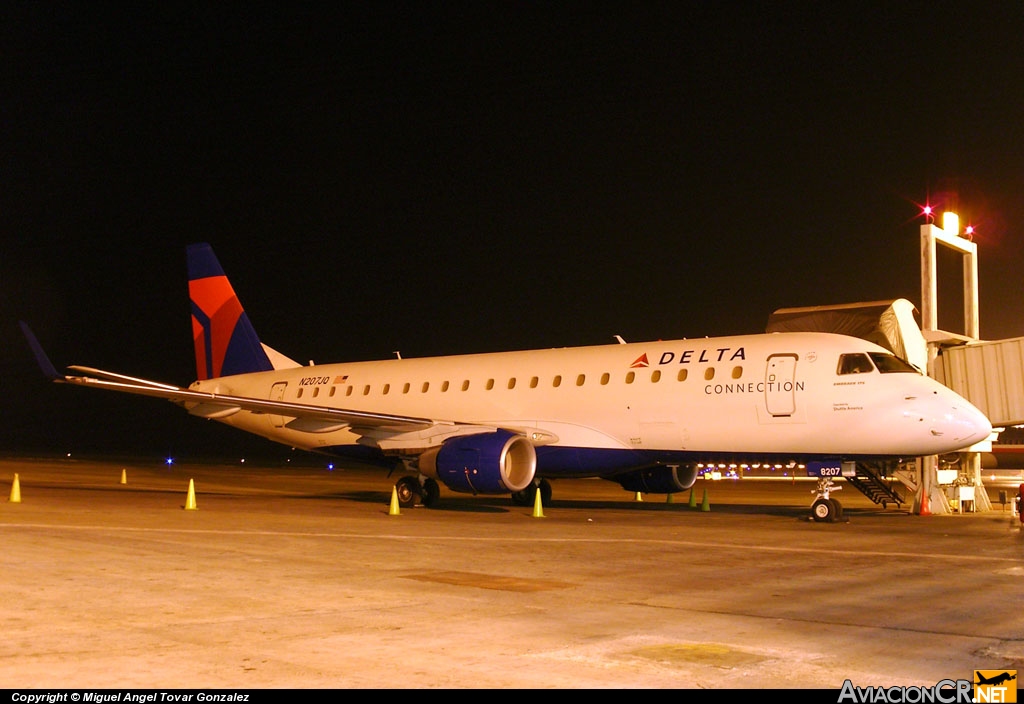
{"x":512,"y":383}
{"x":405,"y":389}
{"x":444,"y":386}
{"x":737,"y":372}
{"x":533,"y":382}
{"x":681,"y":376}
{"x":580,"y":379}
{"x":630,"y":376}
{"x":387,"y":387}
{"x":348,"y":391}
{"x":316,"y":391}
{"x":855,"y":364}
{"x":490,"y":384}
{"x":426,"y":385}
{"x":709,"y":373}
{"x":655,"y":376}
{"x":604,"y":378}
{"x":333,"y":389}
{"x":366,"y":390}
{"x":465,"y":385}
{"x":557,"y":381}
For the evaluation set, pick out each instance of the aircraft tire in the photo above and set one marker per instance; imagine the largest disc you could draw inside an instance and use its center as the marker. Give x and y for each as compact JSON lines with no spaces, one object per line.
{"x":545,"y":491}
{"x":409,"y":491}
{"x":431,"y":493}
{"x":838,"y":508}
{"x":527,"y":496}
{"x":823,"y":511}
{"x":524,"y":497}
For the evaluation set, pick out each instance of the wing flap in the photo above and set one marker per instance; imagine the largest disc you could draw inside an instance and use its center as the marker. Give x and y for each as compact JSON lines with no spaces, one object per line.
{"x":213,"y":411}
{"x":312,"y":425}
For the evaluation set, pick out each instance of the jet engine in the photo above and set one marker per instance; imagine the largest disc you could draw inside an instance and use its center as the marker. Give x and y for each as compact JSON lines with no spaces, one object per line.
{"x":667,"y":479}
{"x":486,"y":463}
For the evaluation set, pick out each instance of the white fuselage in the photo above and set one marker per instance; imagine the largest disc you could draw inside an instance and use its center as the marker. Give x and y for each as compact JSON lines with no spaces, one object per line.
{"x":743,"y":395}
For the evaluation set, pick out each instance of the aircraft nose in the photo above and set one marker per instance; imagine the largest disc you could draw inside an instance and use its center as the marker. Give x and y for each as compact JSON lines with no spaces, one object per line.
{"x":963,"y":424}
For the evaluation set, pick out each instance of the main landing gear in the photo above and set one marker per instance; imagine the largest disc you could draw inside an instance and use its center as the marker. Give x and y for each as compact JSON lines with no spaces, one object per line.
{"x":528,"y":496}
{"x":826,"y":509}
{"x":412,"y":491}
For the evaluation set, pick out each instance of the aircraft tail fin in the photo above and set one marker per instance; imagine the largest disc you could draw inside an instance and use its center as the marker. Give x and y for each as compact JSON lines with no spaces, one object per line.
{"x":225,"y":341}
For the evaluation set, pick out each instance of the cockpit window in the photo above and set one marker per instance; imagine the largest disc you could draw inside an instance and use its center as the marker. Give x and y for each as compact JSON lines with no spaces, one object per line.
{"x":887,"y":363}
{"x":855,"y":364}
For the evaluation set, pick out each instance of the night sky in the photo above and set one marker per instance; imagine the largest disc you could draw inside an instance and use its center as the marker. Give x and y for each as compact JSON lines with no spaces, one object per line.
{"x":439,"y":178}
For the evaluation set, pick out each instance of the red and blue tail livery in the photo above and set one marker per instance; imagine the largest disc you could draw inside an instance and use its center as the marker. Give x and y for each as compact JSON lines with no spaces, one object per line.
{"x":225,"y":341}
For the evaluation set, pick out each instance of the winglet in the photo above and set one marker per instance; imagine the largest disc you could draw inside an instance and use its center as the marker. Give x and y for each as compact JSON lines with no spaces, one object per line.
{"x":44,"y":362}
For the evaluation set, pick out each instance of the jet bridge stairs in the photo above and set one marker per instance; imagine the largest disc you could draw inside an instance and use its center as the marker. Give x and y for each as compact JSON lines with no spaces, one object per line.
{"x":873,"y":480}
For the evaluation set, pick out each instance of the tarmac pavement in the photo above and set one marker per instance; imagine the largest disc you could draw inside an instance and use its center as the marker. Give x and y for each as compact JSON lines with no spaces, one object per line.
{"x":299,"y":577}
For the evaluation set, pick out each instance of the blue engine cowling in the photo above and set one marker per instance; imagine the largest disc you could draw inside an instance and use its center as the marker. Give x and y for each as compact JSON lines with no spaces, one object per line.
{"x":487,"y":463}
{"x":667,"y":479}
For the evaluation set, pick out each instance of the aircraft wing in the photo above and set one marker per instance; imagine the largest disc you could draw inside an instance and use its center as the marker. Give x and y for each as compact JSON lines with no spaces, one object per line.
{"x":388,"y":431}
{"x":307,"y":417}
{"x":215,"y":405}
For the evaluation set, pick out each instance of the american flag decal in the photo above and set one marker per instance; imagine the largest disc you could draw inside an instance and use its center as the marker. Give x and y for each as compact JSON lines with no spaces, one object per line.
{"x":340,"y":379}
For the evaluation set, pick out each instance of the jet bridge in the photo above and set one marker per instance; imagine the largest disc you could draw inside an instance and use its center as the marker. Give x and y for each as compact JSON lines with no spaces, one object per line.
{"x":988,"y":374}
{"x":890,"y":324}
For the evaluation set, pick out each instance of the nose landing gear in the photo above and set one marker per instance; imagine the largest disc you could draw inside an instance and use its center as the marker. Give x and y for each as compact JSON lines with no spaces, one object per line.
{"x":826,"y":509}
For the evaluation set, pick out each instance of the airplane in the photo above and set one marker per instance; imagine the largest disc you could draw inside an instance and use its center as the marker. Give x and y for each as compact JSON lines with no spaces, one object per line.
{"x":996,"y":680}
{"x":642,"y":414}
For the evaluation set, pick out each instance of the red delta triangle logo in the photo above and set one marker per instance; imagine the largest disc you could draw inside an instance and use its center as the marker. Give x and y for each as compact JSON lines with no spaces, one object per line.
{"x":640,"y":362}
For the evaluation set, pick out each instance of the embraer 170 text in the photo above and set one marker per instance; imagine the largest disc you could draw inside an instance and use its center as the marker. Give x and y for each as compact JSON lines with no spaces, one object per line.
{"x":644,"y":415}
